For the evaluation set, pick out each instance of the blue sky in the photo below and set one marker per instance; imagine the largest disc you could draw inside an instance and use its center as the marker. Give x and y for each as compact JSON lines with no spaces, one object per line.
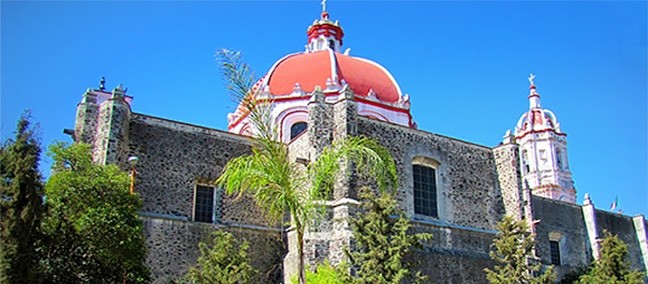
{"x":464,"y":64}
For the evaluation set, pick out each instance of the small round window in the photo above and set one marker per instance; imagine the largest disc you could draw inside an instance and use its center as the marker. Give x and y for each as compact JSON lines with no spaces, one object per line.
{"x":297,"y":129}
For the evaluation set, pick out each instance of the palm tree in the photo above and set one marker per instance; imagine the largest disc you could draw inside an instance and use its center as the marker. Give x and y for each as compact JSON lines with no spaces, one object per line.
{"x":279,"y":185}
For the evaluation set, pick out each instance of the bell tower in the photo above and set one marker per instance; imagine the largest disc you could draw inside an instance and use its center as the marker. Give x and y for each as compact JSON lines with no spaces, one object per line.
{"x":543,"y":152}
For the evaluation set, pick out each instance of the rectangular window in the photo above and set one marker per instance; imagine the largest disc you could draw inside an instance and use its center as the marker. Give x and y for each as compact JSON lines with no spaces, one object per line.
{"x":425,"y":198}
{"x":205,"y":200}
{"x":554,"y":248}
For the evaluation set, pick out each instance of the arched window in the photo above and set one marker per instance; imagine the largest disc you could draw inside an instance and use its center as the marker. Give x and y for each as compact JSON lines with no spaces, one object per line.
{"x":297,"y":129}
{"x":559,"y":162}
{"x":332,"y":44}
{"x":425,"y":187}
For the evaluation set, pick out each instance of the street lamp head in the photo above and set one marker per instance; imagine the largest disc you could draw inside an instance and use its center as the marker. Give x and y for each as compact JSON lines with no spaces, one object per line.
{"x":133,"y":160}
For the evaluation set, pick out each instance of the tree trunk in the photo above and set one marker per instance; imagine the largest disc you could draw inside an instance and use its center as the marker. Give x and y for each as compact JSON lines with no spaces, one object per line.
{"x":300,"y":252}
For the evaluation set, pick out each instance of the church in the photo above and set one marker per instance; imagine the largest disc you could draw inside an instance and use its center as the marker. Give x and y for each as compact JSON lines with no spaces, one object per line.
{"x":453,"y":189}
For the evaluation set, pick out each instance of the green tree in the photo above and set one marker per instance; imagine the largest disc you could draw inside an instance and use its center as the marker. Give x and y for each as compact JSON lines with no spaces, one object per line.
{"x":325,"y":273}
{"x":573,"y":276}
{"x":224,"y":260}
{"x":382,"y":241}
{"x":279,"y":185}
{"x":612,"y":267}
{"x":94,"y":234}
{"x":21,"y":205}
{"x":513,"y":249}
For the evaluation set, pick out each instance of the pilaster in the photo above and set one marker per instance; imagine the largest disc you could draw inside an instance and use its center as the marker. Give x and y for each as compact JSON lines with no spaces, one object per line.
{"x":640,"y":229}
{"x":319,"y":123}
{"x":345,"y":124}
{"x":332,"y":235}
{"x":111,"y":142}
{"x":85,"y":124}
{"x":345,"y":115}
{"x":508,"y":175}
{"x":589,"y":216}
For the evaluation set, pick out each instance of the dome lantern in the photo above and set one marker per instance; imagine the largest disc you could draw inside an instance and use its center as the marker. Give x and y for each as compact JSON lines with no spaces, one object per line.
{"x":324,"y":34}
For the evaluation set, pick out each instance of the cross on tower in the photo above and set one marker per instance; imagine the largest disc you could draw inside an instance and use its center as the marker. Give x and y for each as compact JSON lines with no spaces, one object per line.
{"x":531,"y":77}
{"x":323,"y":5}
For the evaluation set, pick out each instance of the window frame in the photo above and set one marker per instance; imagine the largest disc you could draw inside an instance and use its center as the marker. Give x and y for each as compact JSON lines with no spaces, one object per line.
{"x":433,"y":165}
{"x":216,"y":200}
{"x":557,"y":246}
{"x":554,"y":252}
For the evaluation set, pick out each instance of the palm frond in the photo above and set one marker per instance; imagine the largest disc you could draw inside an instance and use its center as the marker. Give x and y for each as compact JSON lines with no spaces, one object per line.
{"x":240,"y":79}
{"x":238,"y":75}
{"x":369,"y":157}
{"x":278,"y":185}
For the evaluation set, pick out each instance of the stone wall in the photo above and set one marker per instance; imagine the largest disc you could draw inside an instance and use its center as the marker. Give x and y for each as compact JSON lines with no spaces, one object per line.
{"x":299,"y":148}
{"x":622,"y":226}
{"x":476,"y":186}
{"x":508,"y":174}
{"x":567,"y":220}
{"x":454,"y":254}
{"x":173,"y":248}
{"x":174,"y":157}
{"x":468,"y":190}
{"x":469,"y":200}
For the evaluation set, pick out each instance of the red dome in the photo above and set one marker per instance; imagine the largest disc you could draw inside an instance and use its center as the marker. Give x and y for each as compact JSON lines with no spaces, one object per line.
{"x":313,"y":69}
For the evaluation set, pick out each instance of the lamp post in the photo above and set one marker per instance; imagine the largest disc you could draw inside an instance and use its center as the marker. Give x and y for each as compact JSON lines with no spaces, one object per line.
{"x":133,"y":162}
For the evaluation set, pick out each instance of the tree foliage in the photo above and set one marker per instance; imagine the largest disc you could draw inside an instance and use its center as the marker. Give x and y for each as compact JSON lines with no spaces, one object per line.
{"x":223,"y":260}
{"x":277,"y":184}
{"x":93,"y":231}
{"x":325,"y":273}
{"x":612,"y":267}
{"x":573,"y":276}
{"x":21,"y":205}
{"x":382,"y":241}
{"x":512,"y":252}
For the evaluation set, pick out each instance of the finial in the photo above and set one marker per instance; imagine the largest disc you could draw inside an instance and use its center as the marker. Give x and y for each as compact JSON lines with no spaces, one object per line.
{"x":102,"y":83}
{"x":531,"y":77}
{"x":325,"y":14}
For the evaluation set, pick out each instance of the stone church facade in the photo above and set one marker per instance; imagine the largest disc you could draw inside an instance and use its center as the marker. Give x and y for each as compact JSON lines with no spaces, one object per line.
{"x":454,"y":189}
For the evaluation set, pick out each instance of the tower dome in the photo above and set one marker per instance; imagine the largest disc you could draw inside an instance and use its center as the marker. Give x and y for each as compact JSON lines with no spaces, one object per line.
{"x":536,"y":119}
{"x":292,"y":79}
